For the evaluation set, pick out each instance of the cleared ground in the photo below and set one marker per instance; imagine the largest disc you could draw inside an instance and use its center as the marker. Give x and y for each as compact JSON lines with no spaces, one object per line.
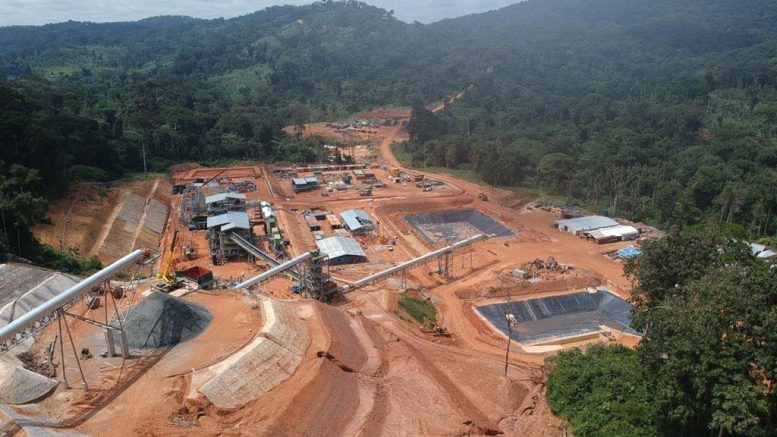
{"x":365,"y":370}
{"x":108,"y":220}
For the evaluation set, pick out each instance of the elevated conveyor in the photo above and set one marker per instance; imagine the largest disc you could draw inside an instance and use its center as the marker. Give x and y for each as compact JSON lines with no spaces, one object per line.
{"x":258,"y":253}
{"x":412,"y":263}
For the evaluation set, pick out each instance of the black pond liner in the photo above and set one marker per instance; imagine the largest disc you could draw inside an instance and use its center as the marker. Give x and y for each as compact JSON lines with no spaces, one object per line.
{"x":561,"y":316}
{"x":445,"y":226}
{"x":162,"y":320}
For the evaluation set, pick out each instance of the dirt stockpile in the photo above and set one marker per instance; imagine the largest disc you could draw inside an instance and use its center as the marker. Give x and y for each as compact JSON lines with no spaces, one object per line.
{"x":161,"y":320}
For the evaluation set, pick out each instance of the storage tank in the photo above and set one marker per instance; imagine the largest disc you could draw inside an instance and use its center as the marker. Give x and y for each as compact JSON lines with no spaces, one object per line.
{"x":267,"y":212}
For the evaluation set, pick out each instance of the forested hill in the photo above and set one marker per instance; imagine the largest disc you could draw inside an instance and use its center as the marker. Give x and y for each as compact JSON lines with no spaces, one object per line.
{"x":657,"y":110}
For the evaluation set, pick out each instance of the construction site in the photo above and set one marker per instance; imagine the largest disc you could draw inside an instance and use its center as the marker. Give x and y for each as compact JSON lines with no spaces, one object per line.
{"x":270,"y":300}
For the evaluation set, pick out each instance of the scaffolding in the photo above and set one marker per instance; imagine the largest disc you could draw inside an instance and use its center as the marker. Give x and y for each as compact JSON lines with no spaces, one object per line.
{"x":57,"y":307}
{"x":314,"y":279}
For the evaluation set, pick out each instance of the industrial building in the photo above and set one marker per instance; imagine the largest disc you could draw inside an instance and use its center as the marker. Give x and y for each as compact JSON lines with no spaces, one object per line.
{"x":304,"y":184}
{"x":579,"y":225}
{"x":225,"y":202}
{"x":341,"y":250}
{"x":613,"y":234}
{"x":357,"y":221}
{"x":219,"y":227}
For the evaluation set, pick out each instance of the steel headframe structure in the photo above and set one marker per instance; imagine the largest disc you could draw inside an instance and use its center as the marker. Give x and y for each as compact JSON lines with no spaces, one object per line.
{"x":58,"y":305}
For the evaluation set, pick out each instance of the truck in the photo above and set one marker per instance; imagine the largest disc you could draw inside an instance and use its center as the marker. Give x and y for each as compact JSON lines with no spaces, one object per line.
{"x":483,"y":197}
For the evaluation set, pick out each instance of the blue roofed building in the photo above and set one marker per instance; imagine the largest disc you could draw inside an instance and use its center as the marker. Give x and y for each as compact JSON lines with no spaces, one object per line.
{"x":357,"y":221}
{"x":304,"y":184}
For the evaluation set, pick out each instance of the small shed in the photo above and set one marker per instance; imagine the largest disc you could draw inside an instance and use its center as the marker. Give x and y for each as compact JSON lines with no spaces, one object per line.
{"x":199,"y":275}
{"x":304,"y":184}
{"x":313,"y":224}
{"x":334,"y":222}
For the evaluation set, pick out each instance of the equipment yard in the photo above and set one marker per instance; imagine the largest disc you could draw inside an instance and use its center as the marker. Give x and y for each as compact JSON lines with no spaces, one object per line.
{"x":283,"y":315}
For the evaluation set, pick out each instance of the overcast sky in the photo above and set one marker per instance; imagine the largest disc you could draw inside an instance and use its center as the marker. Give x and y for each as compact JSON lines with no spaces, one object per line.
{"x":54,"y":11}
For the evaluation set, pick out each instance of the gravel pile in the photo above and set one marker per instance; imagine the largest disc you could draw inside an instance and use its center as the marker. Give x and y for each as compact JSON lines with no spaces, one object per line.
{"x":162,"y":320}
{"x":19,"y":386}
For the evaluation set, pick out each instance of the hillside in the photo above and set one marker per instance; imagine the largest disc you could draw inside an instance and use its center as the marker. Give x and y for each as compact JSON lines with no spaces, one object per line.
{"x":659,"y":110}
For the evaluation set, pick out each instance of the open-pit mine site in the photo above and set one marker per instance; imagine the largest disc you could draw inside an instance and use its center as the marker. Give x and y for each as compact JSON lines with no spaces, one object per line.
{"x":329,"y":299}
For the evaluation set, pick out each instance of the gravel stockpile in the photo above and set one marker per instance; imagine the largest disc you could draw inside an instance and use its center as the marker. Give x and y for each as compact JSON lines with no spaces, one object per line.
{"x":161,"y":320}
{"x":19,"y":386}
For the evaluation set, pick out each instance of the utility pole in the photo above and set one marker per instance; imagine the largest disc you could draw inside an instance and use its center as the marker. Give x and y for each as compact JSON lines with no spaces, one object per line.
{"x":508,"y":317}
{"x":142,"y":149}
{"x":145,"y":169}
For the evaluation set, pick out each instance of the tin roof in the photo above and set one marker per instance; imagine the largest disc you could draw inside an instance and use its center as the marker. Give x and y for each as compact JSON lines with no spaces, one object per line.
{"x":356,"y":219}
{"x":230,"y":220}
{"x":224,"y":196}
{"x":335,"y":247}
{"x":614,"y":231}
{"x":587,"y":223}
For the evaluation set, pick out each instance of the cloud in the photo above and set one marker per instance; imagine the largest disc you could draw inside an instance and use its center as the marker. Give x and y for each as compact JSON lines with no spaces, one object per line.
{"x":38,"y":12}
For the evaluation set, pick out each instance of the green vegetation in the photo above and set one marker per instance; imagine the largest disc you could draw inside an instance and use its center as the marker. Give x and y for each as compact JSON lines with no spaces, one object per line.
{"x":422,"y":310}
{"x":65,"y":261}
{"x":601,"y":392}
{"x":708,"y":310}
{"x":401,"y":153}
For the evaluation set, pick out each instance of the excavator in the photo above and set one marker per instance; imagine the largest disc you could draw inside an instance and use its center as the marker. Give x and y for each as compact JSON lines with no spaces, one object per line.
{"x":165,"y":275}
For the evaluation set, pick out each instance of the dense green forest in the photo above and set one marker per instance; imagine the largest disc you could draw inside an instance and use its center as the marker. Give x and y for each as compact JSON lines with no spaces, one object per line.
{"x":655,"y":110}
{"x":707,"y":363}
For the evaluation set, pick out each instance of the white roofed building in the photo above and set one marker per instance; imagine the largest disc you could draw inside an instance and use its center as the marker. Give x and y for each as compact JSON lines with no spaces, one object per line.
{"x":580,"y":225}
{"x":613,"y":233}
{"x":341,"y":250}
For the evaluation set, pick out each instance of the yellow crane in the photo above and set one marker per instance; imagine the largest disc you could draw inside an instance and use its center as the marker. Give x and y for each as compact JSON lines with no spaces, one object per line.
{"x":164,"y":271}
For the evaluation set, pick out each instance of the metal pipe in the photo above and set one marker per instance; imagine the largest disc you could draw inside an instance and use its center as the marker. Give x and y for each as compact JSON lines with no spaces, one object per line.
{"x":408,"y":264}
{"x":60,"y":300}
{"x":274,"y":271}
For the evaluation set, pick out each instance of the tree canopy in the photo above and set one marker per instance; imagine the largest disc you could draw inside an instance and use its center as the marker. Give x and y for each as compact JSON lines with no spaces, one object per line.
{"x":706,"y":364}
